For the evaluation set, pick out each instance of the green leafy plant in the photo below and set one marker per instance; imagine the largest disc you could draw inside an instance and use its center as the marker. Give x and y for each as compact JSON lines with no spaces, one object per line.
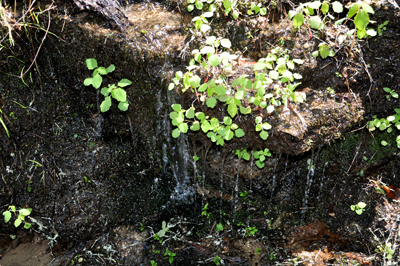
{"x":204,"y":212}
{"x":386,"y":124}
{"x":386,"y":249}
{"x":257,"y":9}
{"x":217,"y":260}
{"x":153,"y":263}
{"x":251,"y":231}
{"x":359,"y":208}
{"x":382,"y":27}
{"x":392,"y":93}
{"x":20,"y":214}
{"x":324,"y":51}
{"x":360,"y":12}
{"x":170,"y":254}
{"x":219,"y":227}
{"x":258,"y":250}
{"x":115,"y":91}
{"x":261,"y":156}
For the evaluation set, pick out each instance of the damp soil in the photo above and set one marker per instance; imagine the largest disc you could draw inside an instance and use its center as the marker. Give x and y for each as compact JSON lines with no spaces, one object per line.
{"x":101,"y":185}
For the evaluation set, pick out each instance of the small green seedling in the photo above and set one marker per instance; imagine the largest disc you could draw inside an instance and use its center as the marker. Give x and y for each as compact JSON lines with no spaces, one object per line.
{"x":219,"y":227}
{"x":251,"y":231}
{"x":258,"y":250}
{"x":115,"y":91}
{"x":22,"y":213}
{"x":382,"y":27}
{"x":392,"y":93}
{"x":204,"y":212}
{"x":359,"y":208}
{"x":217,"y":260}
{"x":170,"y":254}
{"x":386,"y":249}
{"x":153,"y":263}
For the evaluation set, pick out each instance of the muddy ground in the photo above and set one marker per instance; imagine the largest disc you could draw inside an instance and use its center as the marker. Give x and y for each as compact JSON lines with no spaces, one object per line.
{"x":101,"y":185}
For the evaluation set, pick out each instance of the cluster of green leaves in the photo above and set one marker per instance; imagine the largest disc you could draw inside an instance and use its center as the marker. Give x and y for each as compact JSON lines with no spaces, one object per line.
{"x":386,"y":249}
{"x":361,"y":18}
{"x":160,"y":234}
{"x":228,"y":6}
{"x":382,"y":27}
{"x":22,"y":213}
{"x":260,"y":156}
{"x":170,"y":255}
{"x":359,"y":208}
{"x":257,"y":9}
{"x":310,"y":12}
{"x":386,"y":124}
{"x":217,"y":260}
{"x":272,"y":84}
{"x":116,"y":91}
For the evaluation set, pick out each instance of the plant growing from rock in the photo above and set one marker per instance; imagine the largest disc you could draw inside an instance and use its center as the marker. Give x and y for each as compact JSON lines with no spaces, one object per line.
{"x":115,"y":91}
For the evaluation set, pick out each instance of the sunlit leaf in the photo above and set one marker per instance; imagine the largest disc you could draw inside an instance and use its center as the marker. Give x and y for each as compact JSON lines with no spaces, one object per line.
{"x":264,"y":135}
{"x":211,"y":102}
{"x":119,"y":94}
{"x":106,"y":104}
{"x":232,"y":109}
{"x":337,"y":7}
{"x":123,"y":106}
{"x":239,"y":133}
{"x":176,"y":132}
{"x":91,"y":63}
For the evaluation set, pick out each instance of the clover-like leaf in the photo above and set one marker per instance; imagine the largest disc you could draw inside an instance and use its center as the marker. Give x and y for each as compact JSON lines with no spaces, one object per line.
{"x":239,"y":133}
{"x":91,"y":63}
{"x":211,"y":102}
{"x":123,"y":106}
{"x":124,"y":82}
{"x":119,"y":94}
{"x":7,"y":216}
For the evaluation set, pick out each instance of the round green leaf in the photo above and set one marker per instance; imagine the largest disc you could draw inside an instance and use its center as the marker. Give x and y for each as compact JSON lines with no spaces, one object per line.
{"x":106,"y":104}
{"x":27,"y":225}
{"x":195,"y":81}
{"x":91,"y":63}
{"x":176,"y":107}
{"x":316,"y":22}
{"x":220,"y":90}
{"x":17,"y":222}
{"x":176,"y":133}
{"x":227,"y":120}
{"x":7,"y":216}
{"x":183,"y":127}
{"x":190,"y":113}
{"x":325,"y":8}
{"x":102,"y":70}
{"x":226,"y":43}
{"x":298,"y":19}
{"x":171,"y":86}
{"x":211,"y":102}
{"x":207,"y":49}
{"x":273,"y":74}
{"x":195,"y":126}
{"x":214,"y":60}
{"x":264,"y":135}
{"x":123,"y":106}
{"x":25,"y":212}
{"x":337,"y":7}
{"x":245,"y":111}
{"x":239,"y":133}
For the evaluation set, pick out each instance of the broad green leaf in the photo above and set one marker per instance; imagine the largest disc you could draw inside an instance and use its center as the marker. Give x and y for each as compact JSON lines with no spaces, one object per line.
{"x":199,"y":5}
{"x":266,"y":126}
{"x":315,"y":4}
{"x":212,"y":136}
{"x":176,"y":107}
{"x":190,"y":113}
{"x":361,"y":33}
{"x":200,"y":115}
{"x":337,"y":7}
{"x":91,"y":63}
{"x":205,"y":126}
{"x":361,"y":20}
{"x":88,"y":81}
{"x":354,"y":8}
{"x":258,"y":127}
{"x":298,"y":20}
{"x":264,"y":135}
{"x":176,"y":133}
{"x":220,"y":90}
{"x":270,"y":108}
{"x":106,"y":104}
{"x":123,"y":106}
{"x":111,"y":68}
{"x":102,"y":70}
{"x":180,"y":118}
{"x":260,"y":164}
{"x":207,"y":50}
{"x":203,"y":87}
{"x":324,"y":51}
{"x":124,"y":82}
{"x":205,"y":28}
{"x":298,"y":61}
{"x":315,"y":54}
{"x":96,"y":81}
{"x":226,"y":43}
{"x":239,"y":133}
{"x":229,"y":135}
{"x":232,"y":109}
{"x":224,"y":98}
{"x":25,"y":212}
{"x":316,"y":22}
{"x":240,"y":94}
{"x":245,"y":111}
{"x":263,"y":11}
{"x":27,"y":225}
{"x":183,"y":127}
{"x":195,"y":81}
{"x":227,"y":120}
{"x":367,"y":8}
{"x":7,"y":216}
{"x":219,"y":227}
{"x":171,"y":86}
{"x":273,"y":74}
{"x":211,"y":102}
{"x":258,"y":119}
{"x":119,"y":94}
{"x":195,"y":126}
{"x":234,"y":126}
{"x":325,"y":8}
{"x":190,"y":8}
{"x":235,"y":14}
{"x":259,"y":66}
{"x":214,"y":60}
